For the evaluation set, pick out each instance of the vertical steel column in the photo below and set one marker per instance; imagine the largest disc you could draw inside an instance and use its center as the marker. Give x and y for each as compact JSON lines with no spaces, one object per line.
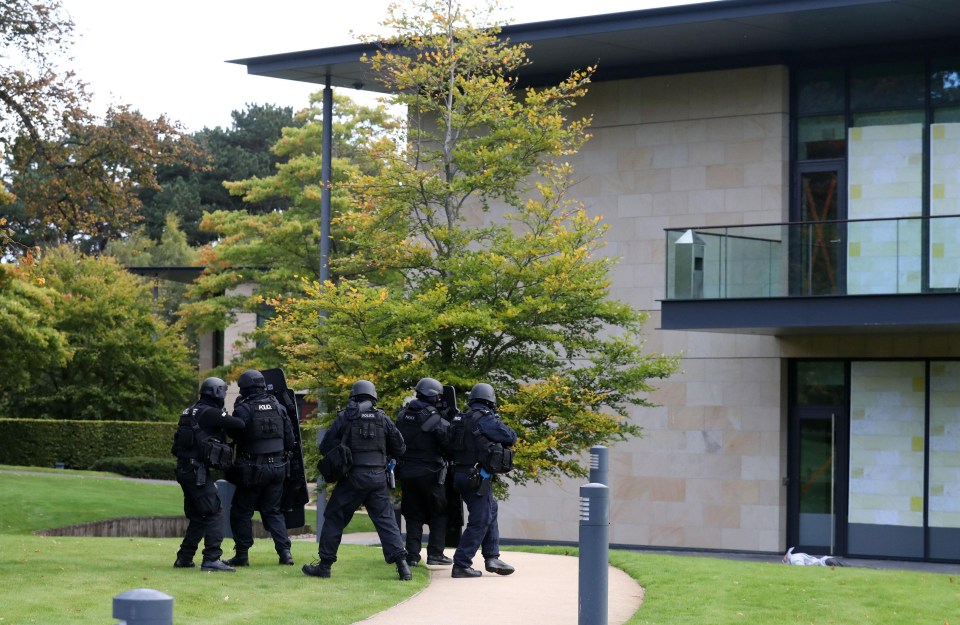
{"x":321,"y":490}
{"x":326,"y":177}
{"x":599,"y":465}
{"x":143,"y":606}
{"x":594,"y":556}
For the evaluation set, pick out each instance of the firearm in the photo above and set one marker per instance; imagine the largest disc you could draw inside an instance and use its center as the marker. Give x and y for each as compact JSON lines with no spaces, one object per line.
{"x":391,"y":478}
{"x":442,"y":474}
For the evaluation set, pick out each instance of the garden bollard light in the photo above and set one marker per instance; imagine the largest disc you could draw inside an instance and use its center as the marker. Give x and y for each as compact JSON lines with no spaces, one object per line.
{"x":225,"y":491}
{"x":594,"y":554}
{"x":143,"y":606}
{"x":599,"y":465}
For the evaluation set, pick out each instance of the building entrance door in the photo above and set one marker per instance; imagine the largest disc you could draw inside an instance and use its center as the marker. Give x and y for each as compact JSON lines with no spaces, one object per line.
{"x":817,"y":484}
{"x":819,"y":250}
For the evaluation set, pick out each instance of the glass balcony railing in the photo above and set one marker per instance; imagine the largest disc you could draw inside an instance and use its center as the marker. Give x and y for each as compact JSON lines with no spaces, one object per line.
{"x":853,"y":257}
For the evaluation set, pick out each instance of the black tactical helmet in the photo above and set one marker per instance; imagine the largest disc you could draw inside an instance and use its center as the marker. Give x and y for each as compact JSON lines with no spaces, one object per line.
{"x":483,"y":392}
{"x":214,"y":387}
{"x":363,"y":387}
{"x":250,"y":380}
{"x":428,"y":389}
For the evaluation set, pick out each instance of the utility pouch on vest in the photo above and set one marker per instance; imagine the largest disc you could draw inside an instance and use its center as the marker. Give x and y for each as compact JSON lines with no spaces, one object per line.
{"x":335,"y":465}
{"x":496,"y":458}
{"x":216,"y":454}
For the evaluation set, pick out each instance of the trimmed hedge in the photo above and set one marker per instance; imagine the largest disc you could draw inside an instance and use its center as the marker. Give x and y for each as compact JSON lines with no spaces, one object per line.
{"x":146,"y":468}
{"x":79,"y":444}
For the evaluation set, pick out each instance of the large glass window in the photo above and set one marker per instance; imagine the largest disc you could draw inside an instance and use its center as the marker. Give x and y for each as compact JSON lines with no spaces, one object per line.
{"x":820,"y":383}
{"x":897,"y":134}
{"x":885,"y":180}
{"x":886,"y":459}
{"x":945,"y":82}
{"x":822,"y":90}
{"x":821,"y":137}
{"x":943,"y":494}
{"x":876,"y":457}
{"x":887,"y":86}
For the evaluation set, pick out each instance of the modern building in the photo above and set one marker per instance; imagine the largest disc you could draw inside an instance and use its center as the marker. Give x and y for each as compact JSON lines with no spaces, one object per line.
{"x":783,"y":182}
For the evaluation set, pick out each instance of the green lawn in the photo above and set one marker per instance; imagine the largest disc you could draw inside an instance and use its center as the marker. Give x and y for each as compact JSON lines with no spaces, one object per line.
{"x":691,"y":590}
{"x":72,"y":581}
{"x":68,"y":580}
{"x":65,"y":580}
{"x":57,"y":498}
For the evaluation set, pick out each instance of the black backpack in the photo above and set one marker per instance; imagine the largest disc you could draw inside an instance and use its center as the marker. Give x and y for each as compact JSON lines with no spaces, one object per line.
{"x":192,"y":442}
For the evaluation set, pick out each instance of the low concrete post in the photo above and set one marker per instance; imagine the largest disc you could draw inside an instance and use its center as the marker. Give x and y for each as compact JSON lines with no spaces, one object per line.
{"x":599,"y":465}
{"x":143,"y":606}
{"x":225,"y":491}
{"x":594,"y":553}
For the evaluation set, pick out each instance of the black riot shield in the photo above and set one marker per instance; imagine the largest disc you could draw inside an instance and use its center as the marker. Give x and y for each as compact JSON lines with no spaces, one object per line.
{"x":454,"y":503}
{"x":295,"y":494}
{"x":449,"y":403}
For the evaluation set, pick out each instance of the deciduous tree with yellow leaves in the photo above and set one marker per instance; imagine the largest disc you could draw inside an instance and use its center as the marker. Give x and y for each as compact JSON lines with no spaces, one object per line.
{"x":504,"y":280}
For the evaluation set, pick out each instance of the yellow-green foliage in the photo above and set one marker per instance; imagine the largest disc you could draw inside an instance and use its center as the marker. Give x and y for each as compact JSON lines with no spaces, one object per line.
{"x":311,"y":452}
{"x":519,"y":297}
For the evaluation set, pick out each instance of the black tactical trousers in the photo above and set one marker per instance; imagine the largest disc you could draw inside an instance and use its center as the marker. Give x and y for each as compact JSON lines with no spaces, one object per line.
{"x":482,"y":531}
{"x":424,"y":502}
{"x":367,"y":487}
{"x":201,"y":506}
{"x":265,"y":498}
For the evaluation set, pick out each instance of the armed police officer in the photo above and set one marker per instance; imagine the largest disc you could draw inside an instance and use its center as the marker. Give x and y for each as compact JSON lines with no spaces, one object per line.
{"x":260,"y":469}
{"x":481,"y":449}
{"x":422,"y":472}
{"x":199,"y":444}
{"x":371,"y":438}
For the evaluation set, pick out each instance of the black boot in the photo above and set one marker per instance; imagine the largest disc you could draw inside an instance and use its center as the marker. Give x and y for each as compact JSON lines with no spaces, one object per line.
{"x":317,"y":569}
{"x":403,"y":570}
{"x":498,"y":566}
{"x":240,"y":559}
{"x":465,"y":571}
{"x":440,"y":560}
{"x":183,"y":563}
{"x":216,"y":565}
{"x":285,"y":557}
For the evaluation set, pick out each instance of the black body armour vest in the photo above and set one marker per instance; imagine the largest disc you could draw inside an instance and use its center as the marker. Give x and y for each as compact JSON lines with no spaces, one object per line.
{"x":420,"y":445}
{"x":466,"y":451}
{"x":368,"y":438}
{"x":264,"y":434}
{"x":188,"y":436}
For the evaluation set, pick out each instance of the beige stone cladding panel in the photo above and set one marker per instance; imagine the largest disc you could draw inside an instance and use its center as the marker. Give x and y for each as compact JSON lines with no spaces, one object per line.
{"x":701,"y":149}
{"x":682,"y":151}
{"x":706,"y":474}
{"x":235,"y":337}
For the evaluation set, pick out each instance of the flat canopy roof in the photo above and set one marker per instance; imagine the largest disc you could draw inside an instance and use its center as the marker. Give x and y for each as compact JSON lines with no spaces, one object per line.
{"x":176,"y":274}
{"x":695,"y":37}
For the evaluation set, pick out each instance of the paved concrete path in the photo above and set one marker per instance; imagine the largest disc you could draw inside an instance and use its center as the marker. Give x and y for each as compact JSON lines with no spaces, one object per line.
{"x":544,"y":589}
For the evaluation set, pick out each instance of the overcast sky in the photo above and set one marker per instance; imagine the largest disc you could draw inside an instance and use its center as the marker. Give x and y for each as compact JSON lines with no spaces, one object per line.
{"x":170,"y":57}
